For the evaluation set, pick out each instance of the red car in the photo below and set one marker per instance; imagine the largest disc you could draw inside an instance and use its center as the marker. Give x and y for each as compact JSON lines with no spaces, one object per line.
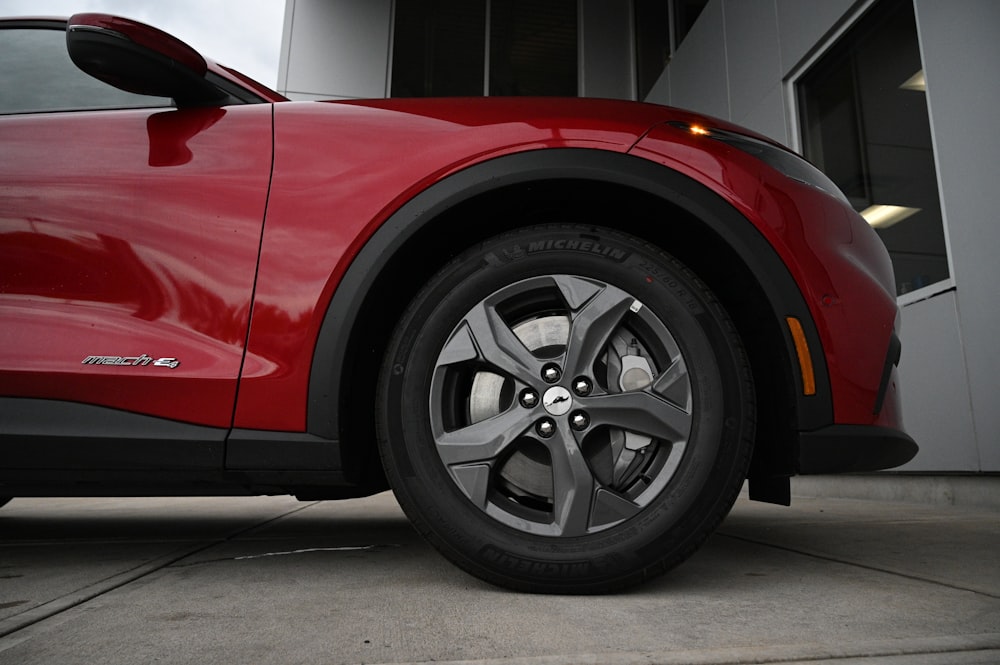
{"x":563,"y":331}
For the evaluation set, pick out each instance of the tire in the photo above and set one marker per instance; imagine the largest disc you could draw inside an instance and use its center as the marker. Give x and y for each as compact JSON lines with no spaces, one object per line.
{"x":565,"y":409}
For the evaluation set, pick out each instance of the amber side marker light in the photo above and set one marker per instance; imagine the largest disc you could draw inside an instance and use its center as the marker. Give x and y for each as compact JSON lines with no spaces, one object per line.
{"x":802,"y":350}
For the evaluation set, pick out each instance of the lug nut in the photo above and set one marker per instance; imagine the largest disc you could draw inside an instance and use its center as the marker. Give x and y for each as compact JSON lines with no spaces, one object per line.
{"x":545,"y":428}
{"x":528,"y":398}
{"x":551,"y":373}
{"x":582,"y":386}
{"x":579,"y":421}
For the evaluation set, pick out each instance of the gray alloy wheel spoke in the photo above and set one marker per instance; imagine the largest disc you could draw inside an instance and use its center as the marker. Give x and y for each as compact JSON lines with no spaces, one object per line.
{"x":638,"y":411}
{"x":499,"y":346}
{"x":610,"y":507}
{"x":474,"y":480}
{"x":593,"y":325}
{"x":485,"y":440}
{"x":573,"y":484}
{"x":673,"y":384}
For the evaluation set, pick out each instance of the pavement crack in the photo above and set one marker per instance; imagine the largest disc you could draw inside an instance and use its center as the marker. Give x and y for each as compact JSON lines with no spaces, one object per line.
{"x":305,"y":550}
{"x":866,"y":566}
{"x":57,"y":606}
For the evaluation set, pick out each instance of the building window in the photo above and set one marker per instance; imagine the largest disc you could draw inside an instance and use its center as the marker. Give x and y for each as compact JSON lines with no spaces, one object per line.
{"x":863,"y":114}
{"x":437,"y":48}
{"x":447,"y":48}
{"x":652,"y":42}
{"x":533,"y":48}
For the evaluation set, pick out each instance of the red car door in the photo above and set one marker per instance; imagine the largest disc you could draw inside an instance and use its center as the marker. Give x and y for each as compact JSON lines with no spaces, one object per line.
{"x":128,"y":247}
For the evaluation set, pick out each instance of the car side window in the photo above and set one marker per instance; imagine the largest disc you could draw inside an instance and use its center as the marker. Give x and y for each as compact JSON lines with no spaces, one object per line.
{"x":38,"y":76}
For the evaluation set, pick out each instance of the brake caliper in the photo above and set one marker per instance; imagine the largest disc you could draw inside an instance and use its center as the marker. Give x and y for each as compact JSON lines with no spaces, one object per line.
{"x":629,"y":370}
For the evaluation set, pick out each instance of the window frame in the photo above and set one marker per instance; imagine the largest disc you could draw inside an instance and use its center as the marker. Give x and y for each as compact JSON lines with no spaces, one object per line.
{"x":794,"y":132}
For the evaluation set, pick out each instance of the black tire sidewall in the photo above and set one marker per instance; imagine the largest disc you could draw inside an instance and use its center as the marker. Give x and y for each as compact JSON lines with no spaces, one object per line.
{"x":674,"y":523}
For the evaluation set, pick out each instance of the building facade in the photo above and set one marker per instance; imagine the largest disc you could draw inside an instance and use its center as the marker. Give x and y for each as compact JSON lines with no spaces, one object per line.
{"x":894,"y":99}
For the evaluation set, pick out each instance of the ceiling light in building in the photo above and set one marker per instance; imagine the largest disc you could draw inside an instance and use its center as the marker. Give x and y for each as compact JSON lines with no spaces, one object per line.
{"x":915,"y":82}
{"x":884,"y":216}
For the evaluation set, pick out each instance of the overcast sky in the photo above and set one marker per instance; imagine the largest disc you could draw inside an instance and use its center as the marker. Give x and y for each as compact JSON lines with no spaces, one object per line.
{"x":242,"y":34}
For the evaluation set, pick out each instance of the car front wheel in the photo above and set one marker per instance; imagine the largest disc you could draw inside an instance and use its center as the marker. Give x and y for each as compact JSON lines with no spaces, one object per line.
{"x":565,"y":409}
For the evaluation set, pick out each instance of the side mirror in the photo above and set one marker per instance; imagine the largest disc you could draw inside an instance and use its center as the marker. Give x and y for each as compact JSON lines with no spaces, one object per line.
{"x":138,"y":58}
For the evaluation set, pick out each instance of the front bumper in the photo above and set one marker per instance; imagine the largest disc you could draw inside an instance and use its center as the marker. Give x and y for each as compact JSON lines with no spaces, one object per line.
{"x":853,"y":448}
{"x":850,"y":448}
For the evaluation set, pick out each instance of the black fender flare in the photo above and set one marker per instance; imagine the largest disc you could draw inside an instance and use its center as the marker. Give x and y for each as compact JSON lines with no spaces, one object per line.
{"x":332,"y":344}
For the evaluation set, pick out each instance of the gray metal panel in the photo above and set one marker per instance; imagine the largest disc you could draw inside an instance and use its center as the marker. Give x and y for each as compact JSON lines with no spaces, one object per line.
{"x":752,"y":53}
{"x":804,"y":23}
{"x":698,"y":72}
{"x":767,"y":116}
{"x":337,"y":48}
{"x":961,"y":51}
{"x":935,"y":387}
{"x":286,"y":44}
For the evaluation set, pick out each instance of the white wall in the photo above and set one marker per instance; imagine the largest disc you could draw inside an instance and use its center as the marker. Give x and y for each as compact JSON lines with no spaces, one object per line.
{"x":937,"y":406}
{"x":961,"y":52}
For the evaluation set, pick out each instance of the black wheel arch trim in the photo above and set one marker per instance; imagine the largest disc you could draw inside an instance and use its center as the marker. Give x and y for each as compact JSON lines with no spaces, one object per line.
{"x":343,"y":311}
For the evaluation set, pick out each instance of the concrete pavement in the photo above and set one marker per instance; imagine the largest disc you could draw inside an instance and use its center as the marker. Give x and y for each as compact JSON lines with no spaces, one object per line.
{"x":273,"y":580}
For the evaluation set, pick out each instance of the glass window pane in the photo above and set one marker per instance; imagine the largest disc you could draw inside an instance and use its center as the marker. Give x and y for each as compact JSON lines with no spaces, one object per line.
{"x":438,"y":48}
{"x":652,"y":42}
{"x":864,"y":123}
{"x":37,"y":75}
{"x":533,"y":48}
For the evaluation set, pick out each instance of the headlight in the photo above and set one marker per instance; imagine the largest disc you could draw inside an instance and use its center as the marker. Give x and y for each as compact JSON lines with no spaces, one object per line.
{"x":787,"y":163}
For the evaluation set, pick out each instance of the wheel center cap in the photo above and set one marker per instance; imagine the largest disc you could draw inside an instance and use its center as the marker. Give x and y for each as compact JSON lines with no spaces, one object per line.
{"x":557,"y":401}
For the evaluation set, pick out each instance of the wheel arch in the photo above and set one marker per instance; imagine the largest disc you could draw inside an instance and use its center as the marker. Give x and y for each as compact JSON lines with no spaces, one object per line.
{"x":614,"y":190}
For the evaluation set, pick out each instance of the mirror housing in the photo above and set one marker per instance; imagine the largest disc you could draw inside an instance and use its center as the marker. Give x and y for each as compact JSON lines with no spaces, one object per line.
{"x":141,"y":59}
